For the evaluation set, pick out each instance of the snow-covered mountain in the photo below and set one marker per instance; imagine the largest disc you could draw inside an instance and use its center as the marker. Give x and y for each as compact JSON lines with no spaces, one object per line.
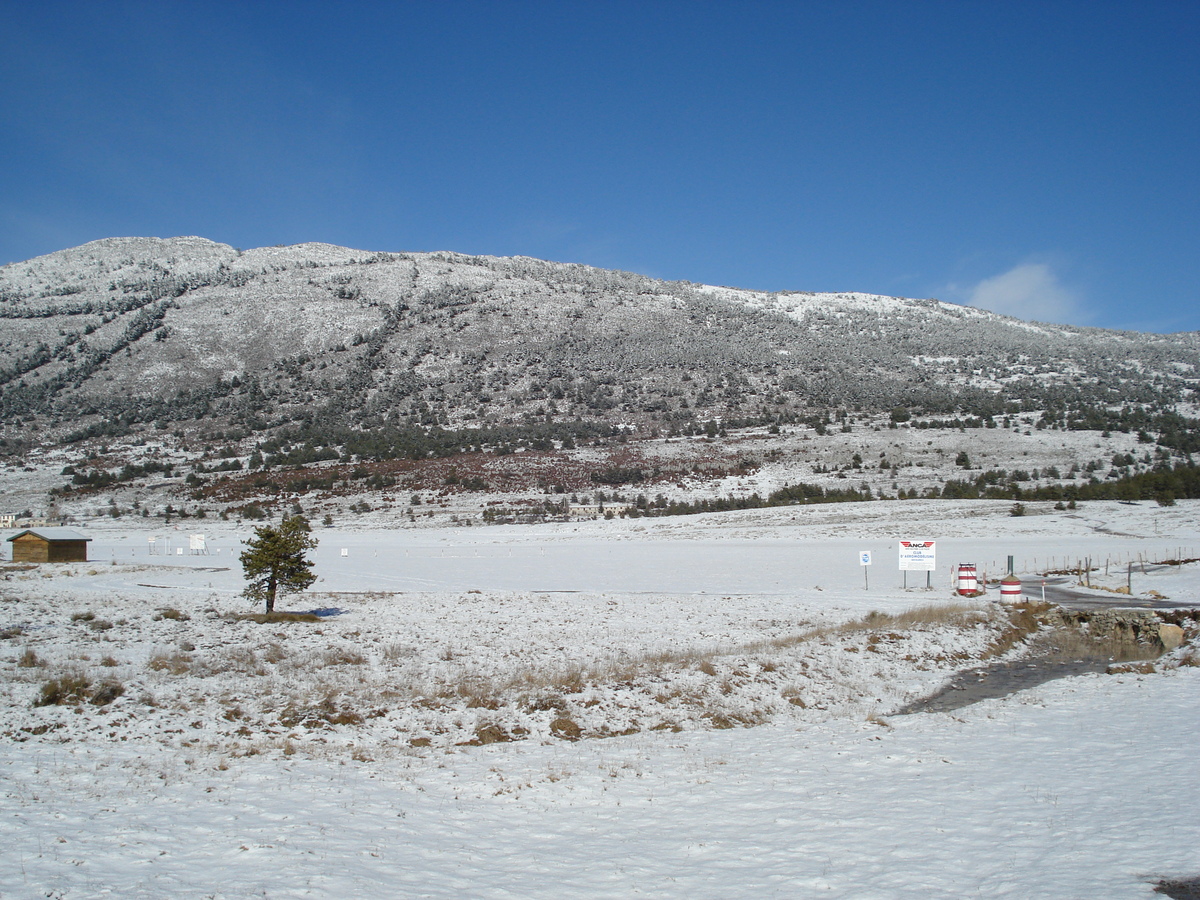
{"x":138,"y":330}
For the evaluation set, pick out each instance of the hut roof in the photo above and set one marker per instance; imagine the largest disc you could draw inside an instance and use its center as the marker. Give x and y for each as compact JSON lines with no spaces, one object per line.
{"x":52,"y":534}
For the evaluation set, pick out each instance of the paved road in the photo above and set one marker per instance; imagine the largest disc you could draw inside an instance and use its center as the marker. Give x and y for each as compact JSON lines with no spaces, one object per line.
{"x":1062,"y":590}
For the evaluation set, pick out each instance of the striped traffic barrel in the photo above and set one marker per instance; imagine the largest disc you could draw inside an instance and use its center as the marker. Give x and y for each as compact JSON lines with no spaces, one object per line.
{"x":1010,"y":589}
{"x":968,"y":581}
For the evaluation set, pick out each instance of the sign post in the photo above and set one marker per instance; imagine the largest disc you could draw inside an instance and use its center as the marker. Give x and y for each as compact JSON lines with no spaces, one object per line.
{"x":864,"y":560}
{"x":918,"y":556}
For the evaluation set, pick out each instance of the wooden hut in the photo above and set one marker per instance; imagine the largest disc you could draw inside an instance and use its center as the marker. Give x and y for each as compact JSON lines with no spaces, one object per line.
{"x":40,"y":545}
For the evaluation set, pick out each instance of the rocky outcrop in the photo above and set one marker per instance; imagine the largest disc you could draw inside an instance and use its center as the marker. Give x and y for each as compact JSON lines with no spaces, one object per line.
{"x":1170,"y":636}
{"x":1167,"y":629}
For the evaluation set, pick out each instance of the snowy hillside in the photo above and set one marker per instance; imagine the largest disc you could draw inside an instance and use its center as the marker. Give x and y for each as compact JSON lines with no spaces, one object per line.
{"x":142,"y":330}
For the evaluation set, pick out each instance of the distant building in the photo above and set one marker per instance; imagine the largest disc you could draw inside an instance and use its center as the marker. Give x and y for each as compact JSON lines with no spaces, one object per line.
{"x":40,"y":545}
{"x":599,"y":510}
{"x":8,"y":520}
{"x":35,"y":522}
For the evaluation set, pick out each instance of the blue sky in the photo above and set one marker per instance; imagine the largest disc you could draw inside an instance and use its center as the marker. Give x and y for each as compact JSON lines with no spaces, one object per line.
{"x":1041,"y":159}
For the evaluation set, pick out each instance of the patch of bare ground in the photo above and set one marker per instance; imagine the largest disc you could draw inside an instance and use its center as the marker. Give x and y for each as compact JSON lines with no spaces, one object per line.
{"x":1179,"y":888}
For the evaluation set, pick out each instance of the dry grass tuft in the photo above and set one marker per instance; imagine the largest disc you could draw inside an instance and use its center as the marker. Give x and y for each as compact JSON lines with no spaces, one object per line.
{"x":106,"y":692}
{"x":393,"y":652}
{"x":239,"y":660}
{"x":573,"y":682}
{"x":276,"y":617}
{"x":1190,"y":659}
{"x":321,"y":715}
{"x":273,"y":653}
{"x":75,"y":687}
{"x":542,"y":701}
{"x":1071,"y":643}
{"x":29,"y":659}
{"x":172,"y":663}
{"x":1025,"y":619}
{"x":791,"y":693}
{"x":477,"y":702}
{"x":341,"y":656}
{"x":949,"y":614}
{"x":491,"y":733}
{"x":566,"y":728}
{"x":89,"y":619}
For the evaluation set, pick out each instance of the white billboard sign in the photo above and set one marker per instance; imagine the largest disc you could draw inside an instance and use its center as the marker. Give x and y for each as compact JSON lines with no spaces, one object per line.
{"x":918,"y":556}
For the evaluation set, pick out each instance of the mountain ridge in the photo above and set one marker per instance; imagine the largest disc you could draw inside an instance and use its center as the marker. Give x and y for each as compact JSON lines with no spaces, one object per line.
{"x":139,"y":330}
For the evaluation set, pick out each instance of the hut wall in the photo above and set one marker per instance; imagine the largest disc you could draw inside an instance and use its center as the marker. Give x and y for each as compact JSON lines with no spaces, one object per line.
{"x":67,"y":551}
{"x":30,"y":549}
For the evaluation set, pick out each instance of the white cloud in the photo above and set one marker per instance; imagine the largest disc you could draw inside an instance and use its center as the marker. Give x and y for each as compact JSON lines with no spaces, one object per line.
{"x":1029,"y":291}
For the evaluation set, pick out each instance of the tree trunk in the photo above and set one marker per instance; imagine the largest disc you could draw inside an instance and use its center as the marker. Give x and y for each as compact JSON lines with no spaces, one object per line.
{"x":271,"y":595}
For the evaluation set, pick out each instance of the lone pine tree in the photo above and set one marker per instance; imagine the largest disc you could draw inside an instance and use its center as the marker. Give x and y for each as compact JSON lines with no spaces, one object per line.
{"x":275,"y":560}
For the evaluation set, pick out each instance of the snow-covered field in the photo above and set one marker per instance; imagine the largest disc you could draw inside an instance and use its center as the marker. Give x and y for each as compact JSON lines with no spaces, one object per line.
{"x":420,"y":739}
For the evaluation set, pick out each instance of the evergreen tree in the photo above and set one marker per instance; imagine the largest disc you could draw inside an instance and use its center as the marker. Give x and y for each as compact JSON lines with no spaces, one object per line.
{"x":275,"y":560}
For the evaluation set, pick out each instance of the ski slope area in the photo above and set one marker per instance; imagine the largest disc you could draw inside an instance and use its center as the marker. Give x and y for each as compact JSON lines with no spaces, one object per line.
{"x":335,"y":758}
